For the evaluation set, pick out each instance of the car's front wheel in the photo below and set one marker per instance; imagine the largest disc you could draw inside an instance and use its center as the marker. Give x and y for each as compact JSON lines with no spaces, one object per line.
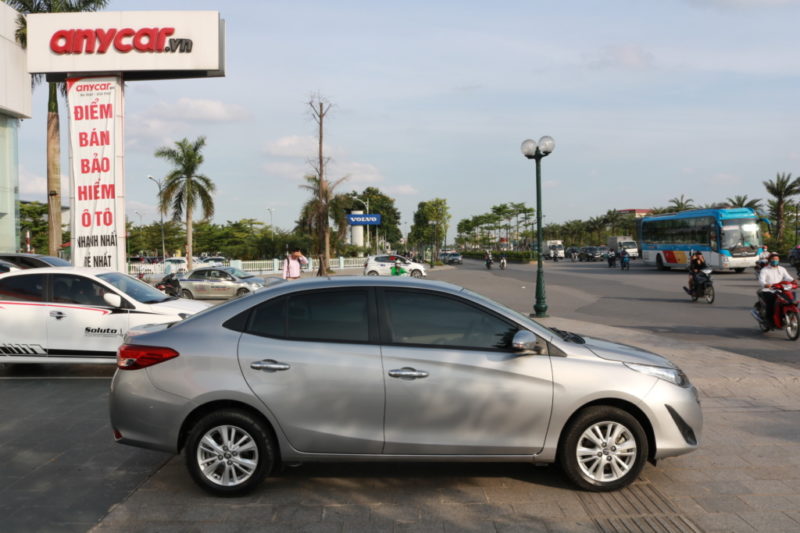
{"x":229,"y":452}
{"x":241,"y":292}
{"x":416,"y":274}
{"x":604,"y":448}
{"x":372,"y":273}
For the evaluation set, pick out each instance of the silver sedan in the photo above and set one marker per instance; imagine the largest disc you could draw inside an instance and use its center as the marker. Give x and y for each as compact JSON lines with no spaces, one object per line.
{"x":218,"y":283}
{"x":382,"y":369}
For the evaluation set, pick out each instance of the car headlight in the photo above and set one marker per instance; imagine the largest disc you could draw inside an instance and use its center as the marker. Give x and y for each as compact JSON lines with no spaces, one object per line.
{"x":672,"y":375}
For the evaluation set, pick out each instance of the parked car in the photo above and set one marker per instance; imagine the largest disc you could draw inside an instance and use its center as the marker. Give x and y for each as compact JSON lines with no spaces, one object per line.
{"x":216,"y":260}
{"x":80,"y":315}
{"x":24,"y":261}
{"x":175,"y":264}
{"x":451,"y":258}
{"x":393,"y":369}
{"x":380,"y":265}
{"x":5,"y":266}
{"x":218,"y":282}
{"x":590,"y":253}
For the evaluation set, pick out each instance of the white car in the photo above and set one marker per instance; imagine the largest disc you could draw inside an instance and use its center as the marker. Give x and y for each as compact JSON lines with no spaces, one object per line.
{"x":381,"y":265}
{"x":175,"y":265}
{"x":76,"y":314}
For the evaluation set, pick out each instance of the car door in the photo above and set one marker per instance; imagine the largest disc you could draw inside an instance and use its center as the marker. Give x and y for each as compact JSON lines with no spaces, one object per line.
{"x":22,"y":316}
{"x":79,"y":321}
{"x":453,"y":386}
{"x":221,"y":284}
{"x":313,"y":360}
{"x":197,"y":282}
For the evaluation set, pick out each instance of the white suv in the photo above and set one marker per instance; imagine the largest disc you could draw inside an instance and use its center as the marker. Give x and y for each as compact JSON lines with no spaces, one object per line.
{"x":381,"y":265}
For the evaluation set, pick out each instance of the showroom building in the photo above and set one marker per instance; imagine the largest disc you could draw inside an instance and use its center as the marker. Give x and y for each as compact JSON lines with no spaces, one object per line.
{"x":15,"y":104}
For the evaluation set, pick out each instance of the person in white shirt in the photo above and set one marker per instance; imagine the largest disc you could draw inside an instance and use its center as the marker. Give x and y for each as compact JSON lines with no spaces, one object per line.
{"x":293,"y":264}
{"x":770,"y":275}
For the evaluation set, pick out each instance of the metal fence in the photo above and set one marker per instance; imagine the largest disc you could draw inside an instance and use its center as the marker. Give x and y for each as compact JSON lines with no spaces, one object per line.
{"x":152,"y":271}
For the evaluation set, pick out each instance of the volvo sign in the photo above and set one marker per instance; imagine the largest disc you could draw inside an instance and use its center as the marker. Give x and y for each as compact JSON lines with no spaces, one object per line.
{"x":364,"y":220}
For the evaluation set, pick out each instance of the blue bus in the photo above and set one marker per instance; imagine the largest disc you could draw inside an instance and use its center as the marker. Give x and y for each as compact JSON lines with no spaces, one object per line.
{"x":729,"y":238}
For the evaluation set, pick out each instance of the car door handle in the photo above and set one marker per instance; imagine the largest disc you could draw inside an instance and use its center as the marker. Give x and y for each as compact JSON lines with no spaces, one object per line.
{"x":58,"y":315}
{"x":407,"y":373}
{"x":269,"y":365}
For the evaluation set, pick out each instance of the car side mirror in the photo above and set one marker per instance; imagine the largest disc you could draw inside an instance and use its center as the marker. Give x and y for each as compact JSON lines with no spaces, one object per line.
{"x":112,"y":299}
{"x":525,"y":342}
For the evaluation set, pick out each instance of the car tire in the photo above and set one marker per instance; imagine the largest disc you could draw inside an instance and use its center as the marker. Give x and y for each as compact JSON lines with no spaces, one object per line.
{"x":226,"y":444}
{"x":185,"y":293}
{"x":416,"y":274}
{"x":241,"y":292}
{"x":372,"y":273}
{"x":738,"y":270}
{"x":596,"y":464}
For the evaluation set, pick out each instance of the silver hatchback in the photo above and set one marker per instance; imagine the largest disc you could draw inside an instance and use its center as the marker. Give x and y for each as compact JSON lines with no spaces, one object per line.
{"x":387,"y":369}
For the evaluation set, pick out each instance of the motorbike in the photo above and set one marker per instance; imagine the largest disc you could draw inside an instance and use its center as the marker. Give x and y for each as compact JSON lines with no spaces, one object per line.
{"x":574,"y":256}
{"x":785,"y":313}
{"x":502,"y":263}
{"x":489,"y":262}
{"x":703,"y":286}
{"x":169,"y":285}
{"x":625,"y":262}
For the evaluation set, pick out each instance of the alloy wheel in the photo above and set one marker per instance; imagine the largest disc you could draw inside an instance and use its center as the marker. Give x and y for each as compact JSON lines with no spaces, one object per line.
{"x":227,"y":455}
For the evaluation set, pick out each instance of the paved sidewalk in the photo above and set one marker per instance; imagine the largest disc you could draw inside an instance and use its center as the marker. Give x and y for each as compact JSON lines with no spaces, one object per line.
{"x":745,"y":477}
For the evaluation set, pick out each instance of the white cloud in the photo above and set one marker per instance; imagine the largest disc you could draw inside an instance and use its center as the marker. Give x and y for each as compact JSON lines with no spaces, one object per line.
{"x":626,"y":56}
{"x":401,"y":190}
{"x":358,"y":173}
{"x":296,"y":146}
{"x":34,"y":187}
{"x":198,"y":110}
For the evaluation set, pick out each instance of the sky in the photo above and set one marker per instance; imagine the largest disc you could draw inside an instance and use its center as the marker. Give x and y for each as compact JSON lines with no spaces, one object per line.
{"x":646,"y":100}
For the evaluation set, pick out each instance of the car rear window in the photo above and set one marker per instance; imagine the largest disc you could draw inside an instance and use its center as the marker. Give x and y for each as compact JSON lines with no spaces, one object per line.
{"x":23,"y":288}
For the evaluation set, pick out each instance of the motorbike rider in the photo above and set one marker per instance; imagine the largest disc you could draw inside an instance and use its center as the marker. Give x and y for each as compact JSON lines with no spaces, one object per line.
{"x":696,"y":264}
{"x":612,"y":258}
{"x":770,"y":275}
{"x":487,"y":257}
{"x":502,"y":260}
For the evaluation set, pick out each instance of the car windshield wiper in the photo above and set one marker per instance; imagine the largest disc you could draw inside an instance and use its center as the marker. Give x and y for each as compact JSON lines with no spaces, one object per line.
{"x":569,"y":336}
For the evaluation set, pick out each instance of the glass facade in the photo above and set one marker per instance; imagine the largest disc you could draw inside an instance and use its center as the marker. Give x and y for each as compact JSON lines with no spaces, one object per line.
{"x":9,"y":184}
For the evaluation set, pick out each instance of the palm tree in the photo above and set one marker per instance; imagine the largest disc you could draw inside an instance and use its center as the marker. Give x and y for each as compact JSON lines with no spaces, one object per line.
{"x":782,"y":189}
{"x":682,"y":204}
{"x":26,"y":7}
{"x":317,"y":212}
{"x":183,"y":186}
{"x":742,"y":201}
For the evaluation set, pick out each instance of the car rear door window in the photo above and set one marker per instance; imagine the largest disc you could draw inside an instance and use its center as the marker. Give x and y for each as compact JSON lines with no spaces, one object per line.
{"x":339,"y":315}
{"x":28,"y":288}
{"x":268,"y":319}
{"x":424,"y":319}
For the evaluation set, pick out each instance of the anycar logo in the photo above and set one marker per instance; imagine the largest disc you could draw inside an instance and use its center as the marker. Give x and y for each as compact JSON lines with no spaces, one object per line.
{"x":102,"y":332}
{"x":123,"y":40}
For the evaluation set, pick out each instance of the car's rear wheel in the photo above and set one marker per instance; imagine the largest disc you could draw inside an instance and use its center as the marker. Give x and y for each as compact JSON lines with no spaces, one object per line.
{"x":229,"y":452}
{"x":416,"y":274}
{"x":372,"y":273}
{"x":604,"y":448}
{"x":185,"y":293}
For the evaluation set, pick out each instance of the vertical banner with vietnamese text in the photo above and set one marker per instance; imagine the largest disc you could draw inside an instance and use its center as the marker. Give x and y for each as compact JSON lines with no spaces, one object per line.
{"x":97,"y":172}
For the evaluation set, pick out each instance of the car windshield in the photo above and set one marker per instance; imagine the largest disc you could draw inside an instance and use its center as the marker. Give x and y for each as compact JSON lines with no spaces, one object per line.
{"x":628,"y":244}
{"x":239,"y":273}
{"x":138,"y":290}
{"x":739,"y":234}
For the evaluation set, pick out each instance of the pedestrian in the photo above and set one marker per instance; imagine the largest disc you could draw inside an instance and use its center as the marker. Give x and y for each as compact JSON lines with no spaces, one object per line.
{"x":293,"y":264}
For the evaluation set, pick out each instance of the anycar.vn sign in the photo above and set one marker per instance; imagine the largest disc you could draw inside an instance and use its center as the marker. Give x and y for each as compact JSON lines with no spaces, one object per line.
{"x":97,"y":185}
{"x":140,"y":44}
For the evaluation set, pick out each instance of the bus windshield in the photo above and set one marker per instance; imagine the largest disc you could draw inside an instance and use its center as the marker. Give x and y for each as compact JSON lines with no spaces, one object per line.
{"x":740,"y":235}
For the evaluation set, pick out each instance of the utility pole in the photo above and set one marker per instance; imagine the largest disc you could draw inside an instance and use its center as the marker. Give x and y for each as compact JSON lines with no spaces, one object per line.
{"x":318,"y":111}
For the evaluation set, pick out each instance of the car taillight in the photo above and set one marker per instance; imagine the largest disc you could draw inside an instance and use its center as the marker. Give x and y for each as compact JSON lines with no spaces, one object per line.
{"x":134,"y":357}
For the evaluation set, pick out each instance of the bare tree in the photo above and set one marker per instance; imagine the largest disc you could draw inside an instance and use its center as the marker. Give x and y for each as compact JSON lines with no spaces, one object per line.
{"x":319,"y":110}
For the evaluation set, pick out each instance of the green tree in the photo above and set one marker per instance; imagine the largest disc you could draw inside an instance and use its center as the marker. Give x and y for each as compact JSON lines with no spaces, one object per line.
{"x":742,"y":201}
{"x":184,"y":187}
{"x":781,"y":190}
{"x":681,"y":203}
{"x":32,"y":218}
{"x":431,"y":222}
{"x":26,"y":7}
{"x":316,"y":214}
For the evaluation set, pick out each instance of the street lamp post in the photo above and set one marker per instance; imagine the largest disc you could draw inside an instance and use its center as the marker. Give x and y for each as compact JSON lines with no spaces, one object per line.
{"x":160,"y":212}
{"x":270,"y":218}
{"x":532,"y":150}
